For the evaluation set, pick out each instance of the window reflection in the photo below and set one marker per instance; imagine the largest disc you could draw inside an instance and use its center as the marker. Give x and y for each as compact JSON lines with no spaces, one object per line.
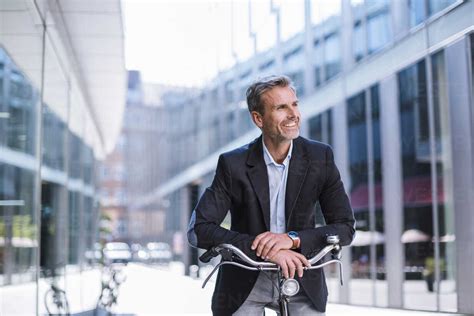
{"x":368,"y":265}
{"x":332,"y":55}
{"x":322,"y":10}
{"x":17,"y":108}
{"x":358,"y":41}
{"x":320,"y":127}
{"x":17,"y":225}
{"x":318,"y":63}
{"x":378,"y":29}
{"x":74,"y":227}
{"x":54,"y":137}
{"x":417,"y":11}
{"x":421,"y":202}
{"x":446,"y":239}
{"x":420,"y":10}
{"x":435,"y":6}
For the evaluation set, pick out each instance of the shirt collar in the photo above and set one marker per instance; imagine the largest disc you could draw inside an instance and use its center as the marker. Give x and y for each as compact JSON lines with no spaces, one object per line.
{"x":269,"y":159}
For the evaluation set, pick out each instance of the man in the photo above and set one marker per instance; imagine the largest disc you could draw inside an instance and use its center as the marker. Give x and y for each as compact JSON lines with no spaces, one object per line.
{"x":270,"y":187}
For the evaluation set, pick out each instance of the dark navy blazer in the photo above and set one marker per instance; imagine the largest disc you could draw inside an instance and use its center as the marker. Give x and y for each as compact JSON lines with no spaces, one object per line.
{"x":240,"y":186}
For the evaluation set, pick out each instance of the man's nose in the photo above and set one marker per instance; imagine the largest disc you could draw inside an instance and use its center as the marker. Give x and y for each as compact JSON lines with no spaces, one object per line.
{"x":292,"y":112}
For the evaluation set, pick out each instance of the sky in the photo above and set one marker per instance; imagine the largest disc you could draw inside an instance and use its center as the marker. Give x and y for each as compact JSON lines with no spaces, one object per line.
{"x":187,"y":42}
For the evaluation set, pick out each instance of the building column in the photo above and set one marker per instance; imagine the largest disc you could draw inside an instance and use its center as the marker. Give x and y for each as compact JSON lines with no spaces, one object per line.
{"x":462,"y":151}
{"x":184,"y":205}
{"x":347,"y":26}
{"x":341,"y":158}
{"x":308,"y":49}
{"x":392,"y":190}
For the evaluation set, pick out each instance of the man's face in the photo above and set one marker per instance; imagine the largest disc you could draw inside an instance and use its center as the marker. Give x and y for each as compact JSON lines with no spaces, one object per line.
{"x":281,"y":119}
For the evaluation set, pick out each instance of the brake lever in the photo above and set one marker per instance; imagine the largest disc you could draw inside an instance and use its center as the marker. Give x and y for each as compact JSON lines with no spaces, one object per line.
{"x":227,"y":254}
{"x":341,"y":276}
{"x":210,"y":274}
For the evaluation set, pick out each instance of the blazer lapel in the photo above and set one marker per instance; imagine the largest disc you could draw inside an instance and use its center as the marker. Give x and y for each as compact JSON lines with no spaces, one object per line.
{"x":299,"y":165}
{"x":258,"y":176}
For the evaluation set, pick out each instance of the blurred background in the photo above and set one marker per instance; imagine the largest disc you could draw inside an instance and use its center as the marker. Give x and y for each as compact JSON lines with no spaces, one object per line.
{"x":113,"y":114}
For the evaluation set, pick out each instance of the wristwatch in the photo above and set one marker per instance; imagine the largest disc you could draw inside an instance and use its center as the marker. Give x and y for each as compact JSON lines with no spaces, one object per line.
{"x":295,"y":238}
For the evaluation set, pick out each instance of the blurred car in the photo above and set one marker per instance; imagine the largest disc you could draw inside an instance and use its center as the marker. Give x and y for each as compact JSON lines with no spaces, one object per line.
{"x":139,"y":253}
{"x":117,"y":252}
{"x":159,"y":252}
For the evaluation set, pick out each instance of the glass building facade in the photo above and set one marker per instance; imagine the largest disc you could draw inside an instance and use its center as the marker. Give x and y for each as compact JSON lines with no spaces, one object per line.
{"x":49,"y":146}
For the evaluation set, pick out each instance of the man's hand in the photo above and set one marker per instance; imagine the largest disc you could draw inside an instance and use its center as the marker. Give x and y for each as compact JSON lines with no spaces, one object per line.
{"x":268,"y":244}
{"x":290,"y":262}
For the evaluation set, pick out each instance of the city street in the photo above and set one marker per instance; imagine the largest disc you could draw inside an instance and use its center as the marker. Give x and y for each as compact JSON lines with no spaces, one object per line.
{"x":164,"y":291}
{"x":153,"y":290}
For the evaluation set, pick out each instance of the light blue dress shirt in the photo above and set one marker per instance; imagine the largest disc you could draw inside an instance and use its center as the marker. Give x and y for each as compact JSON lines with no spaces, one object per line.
{"x":277,"y":178}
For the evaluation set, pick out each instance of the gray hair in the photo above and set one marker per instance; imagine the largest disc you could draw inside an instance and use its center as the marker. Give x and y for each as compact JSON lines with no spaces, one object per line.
{"x":260,"y":86}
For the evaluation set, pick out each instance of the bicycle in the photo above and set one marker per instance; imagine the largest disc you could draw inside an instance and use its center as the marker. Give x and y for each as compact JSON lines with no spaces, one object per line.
{"x":114,"y":277}
{"x":286,"y":287}
{"x":55,"y":298}
{"x":55,"y":301}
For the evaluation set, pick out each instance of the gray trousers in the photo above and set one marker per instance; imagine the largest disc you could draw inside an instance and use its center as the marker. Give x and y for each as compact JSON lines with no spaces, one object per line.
{"x":265,"y":295}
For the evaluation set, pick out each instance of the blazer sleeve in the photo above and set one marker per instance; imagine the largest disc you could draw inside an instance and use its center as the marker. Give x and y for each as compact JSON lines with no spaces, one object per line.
{"x":336,"y":209}
{"x":211,"y":211}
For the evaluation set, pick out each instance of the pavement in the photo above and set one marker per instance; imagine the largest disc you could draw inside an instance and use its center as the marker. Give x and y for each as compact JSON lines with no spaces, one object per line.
{"x":150,"y":290}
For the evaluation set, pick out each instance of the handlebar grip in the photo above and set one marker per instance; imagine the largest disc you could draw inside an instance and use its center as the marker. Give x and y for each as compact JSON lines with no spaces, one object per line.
{"x":208,"y":255}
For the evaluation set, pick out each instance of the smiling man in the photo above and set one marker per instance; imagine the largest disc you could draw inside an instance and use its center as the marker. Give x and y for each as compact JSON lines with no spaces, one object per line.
{"x":271,"y":187}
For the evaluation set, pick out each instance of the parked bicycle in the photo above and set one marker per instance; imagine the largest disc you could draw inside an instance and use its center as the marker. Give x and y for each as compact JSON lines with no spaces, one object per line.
{"x":111,"y":281}
{"x":55,"y":301}
{"x":55,"y":298}
{"x":286,"y":287}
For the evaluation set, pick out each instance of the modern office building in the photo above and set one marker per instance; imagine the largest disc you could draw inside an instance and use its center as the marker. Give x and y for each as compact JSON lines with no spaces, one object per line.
{"x":140,"y":162}
{"x":389,"y":84}
{"x":62,"y":94}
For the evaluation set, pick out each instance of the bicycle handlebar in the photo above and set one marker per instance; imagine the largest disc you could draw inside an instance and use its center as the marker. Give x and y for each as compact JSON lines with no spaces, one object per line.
{"x":230,"y":252}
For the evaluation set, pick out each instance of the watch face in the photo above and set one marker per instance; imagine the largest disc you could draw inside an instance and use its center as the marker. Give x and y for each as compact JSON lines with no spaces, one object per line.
{"x":293,"y":234}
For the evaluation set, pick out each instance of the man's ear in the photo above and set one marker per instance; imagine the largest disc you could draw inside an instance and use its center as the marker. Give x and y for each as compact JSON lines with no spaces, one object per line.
{"x":257,"y":119}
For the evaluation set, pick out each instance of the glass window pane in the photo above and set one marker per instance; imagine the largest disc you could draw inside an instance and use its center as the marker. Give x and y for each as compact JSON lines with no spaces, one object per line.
{"x":325,"y":10}
{"x":381,"y":286}
{"x":358,"y":166}
{"x":447,"y":237}
{"x":292,"y":18}
{"x":18,"y":107}
{"x":318,"y":63}
{"x":472,"y":69}
{"x":358,"y":41}
{"x":332,"y":55}
{"x":378,"y":29}
{"x":54,"y":138}
{"x":74,"y":227}
{"x":18,"y":231}
{"x":298,"y":81}
{"x":417,"y":10}
{"x":358,"y":9}
{"x":315,"y":128}
{"x":438,"y":5}
{"x":418,"y":219}
{"x":329,"y":138}
{"x":21,"y":51}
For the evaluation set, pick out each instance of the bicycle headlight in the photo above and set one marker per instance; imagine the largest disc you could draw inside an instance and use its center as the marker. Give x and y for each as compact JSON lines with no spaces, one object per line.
{"x":290,"y":287}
